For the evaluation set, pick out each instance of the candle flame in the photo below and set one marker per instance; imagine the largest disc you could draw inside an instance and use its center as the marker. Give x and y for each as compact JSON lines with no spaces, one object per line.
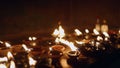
{"x":25,"y":47}
{"x":32,"y":38}
{"x":12,"y":64}
{"x":96,"y":32}
{"x":86,"y":31}
{"x":9,"y":55}
{"x":99,"y":38}
{"x":59,"y":32}
{"x":50,"y":48}
{"x":70,"y":44}
{"x":3,"y":59}
{"x":78,"y":33}
{"x":32,"y":62}
{"x":7,"y":44}
{"x":106,"y":34}
{"x":3,"y":66}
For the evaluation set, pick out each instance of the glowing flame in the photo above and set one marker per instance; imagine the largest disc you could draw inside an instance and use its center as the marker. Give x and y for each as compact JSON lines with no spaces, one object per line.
{"x":70,"y":44}
{"x":32,"y":38}
{"x":50,"y":48}
{"x":32,"y":62}
{"x":99,"y":38}
{"x":106,"y":34}
{"x":3,"y":66}
{"x":78,"y":32}
{"x":1,"y":42}
{"x":9,"y":55}
{"x":96,"y":32}
{"x":12,"y":64}
{"x":7,"y":44}
{"x":3,"y":59}
{"x":79,"y":42}
{"x":59,"y":32}
{"x":25,"y":47}
{"x":86,"y":31}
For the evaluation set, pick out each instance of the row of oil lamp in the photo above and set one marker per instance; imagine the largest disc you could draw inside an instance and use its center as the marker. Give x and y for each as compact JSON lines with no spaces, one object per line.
{"x":74,"y":45}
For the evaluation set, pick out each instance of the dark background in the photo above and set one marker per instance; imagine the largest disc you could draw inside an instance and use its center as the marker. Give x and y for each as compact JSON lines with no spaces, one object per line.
{"x":22,"y":17}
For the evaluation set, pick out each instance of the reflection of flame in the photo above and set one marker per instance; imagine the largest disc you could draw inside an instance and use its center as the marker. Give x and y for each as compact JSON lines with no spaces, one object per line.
{"x":70,"y":44}
{"x":86,"y":31}
{"x":32,"y":38}
{"x":32,"y":62}
{"x":106,"y":34}
{"x":59,"y":32}
{"x":12,"y":64}
{"x":78,"y":32}
{"x":25,"y":47}
{"x":99,"y":38}
{"x":3,"y":59}
{"x":3,"y":66}
{"x":9,"y":55}
{"x":7,"y":44}
{"x":95,"y":32}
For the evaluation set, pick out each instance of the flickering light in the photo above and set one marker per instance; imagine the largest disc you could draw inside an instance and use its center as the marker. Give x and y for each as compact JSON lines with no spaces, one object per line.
{"x":86,"y":31}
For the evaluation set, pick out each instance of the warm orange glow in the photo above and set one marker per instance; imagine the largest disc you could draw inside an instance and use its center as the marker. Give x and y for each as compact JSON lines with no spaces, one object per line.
{"x":25,"y":47}
{"x":77,"y":32}
{"x":7,"y":44}
{"x":106,"y":34}
{"x":79,"y":42}
{"x":32,"y":38}
{"x":59,"y":32}
{"x":119,"y":31}
{"x":69,"y":44}
{"x":32,"y":62}
{"x":96,"y":32}
{"x":9,"y":55}
{"x":12,"y":64}
{"x":99,"y":38}
{"x":86,"y":31}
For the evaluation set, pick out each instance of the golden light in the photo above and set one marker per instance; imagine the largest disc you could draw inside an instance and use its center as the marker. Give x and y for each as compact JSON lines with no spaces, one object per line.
{"x":32,"y":38}
{"x":119,"y":31}
{"x":7,"y":44}
{"x":86,"y":31}
{"x":32,"y":62}
{"x":80,"y":42}
{"x":3,"y":66}
{"x":59,"y":32}
{"x":12,"y":64}
{"x":3,"y":59}
{"x":25,"y":47}
{"x":69,"y":44}
{"x":64,"y":63}
{"x":95,"y":32}
{"x":50,"y":48}
{"x":106,"y":34}
{"x":77,"y":32}
{"x":99,"y":38}
{"x":1,"y":42}
{"x":9,"y":55}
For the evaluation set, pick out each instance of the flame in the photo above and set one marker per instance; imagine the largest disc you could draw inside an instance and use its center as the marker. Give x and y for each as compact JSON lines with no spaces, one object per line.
{"x":79,"y":42}
{"x":99,"y":38}
{"x":78,"y":32}
{"x":25,"y":47}
{"x":59,"y":32}
{"x":3,"y":66}
{"x":32,"y":62}
{"x":32,"y":38}
{"x":9,"y":55}
{"x":70,"y":44}
{"x":119,"y":31}
{"x":86,"y":31}
{"x":3,"y":59}
{"x":96,"y":32}
{"x":12,"y":64}
{"x":106,"y":34}
{"x":50,"y":48}
{"x":1,"y":42}
{"x":7,"y":44}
